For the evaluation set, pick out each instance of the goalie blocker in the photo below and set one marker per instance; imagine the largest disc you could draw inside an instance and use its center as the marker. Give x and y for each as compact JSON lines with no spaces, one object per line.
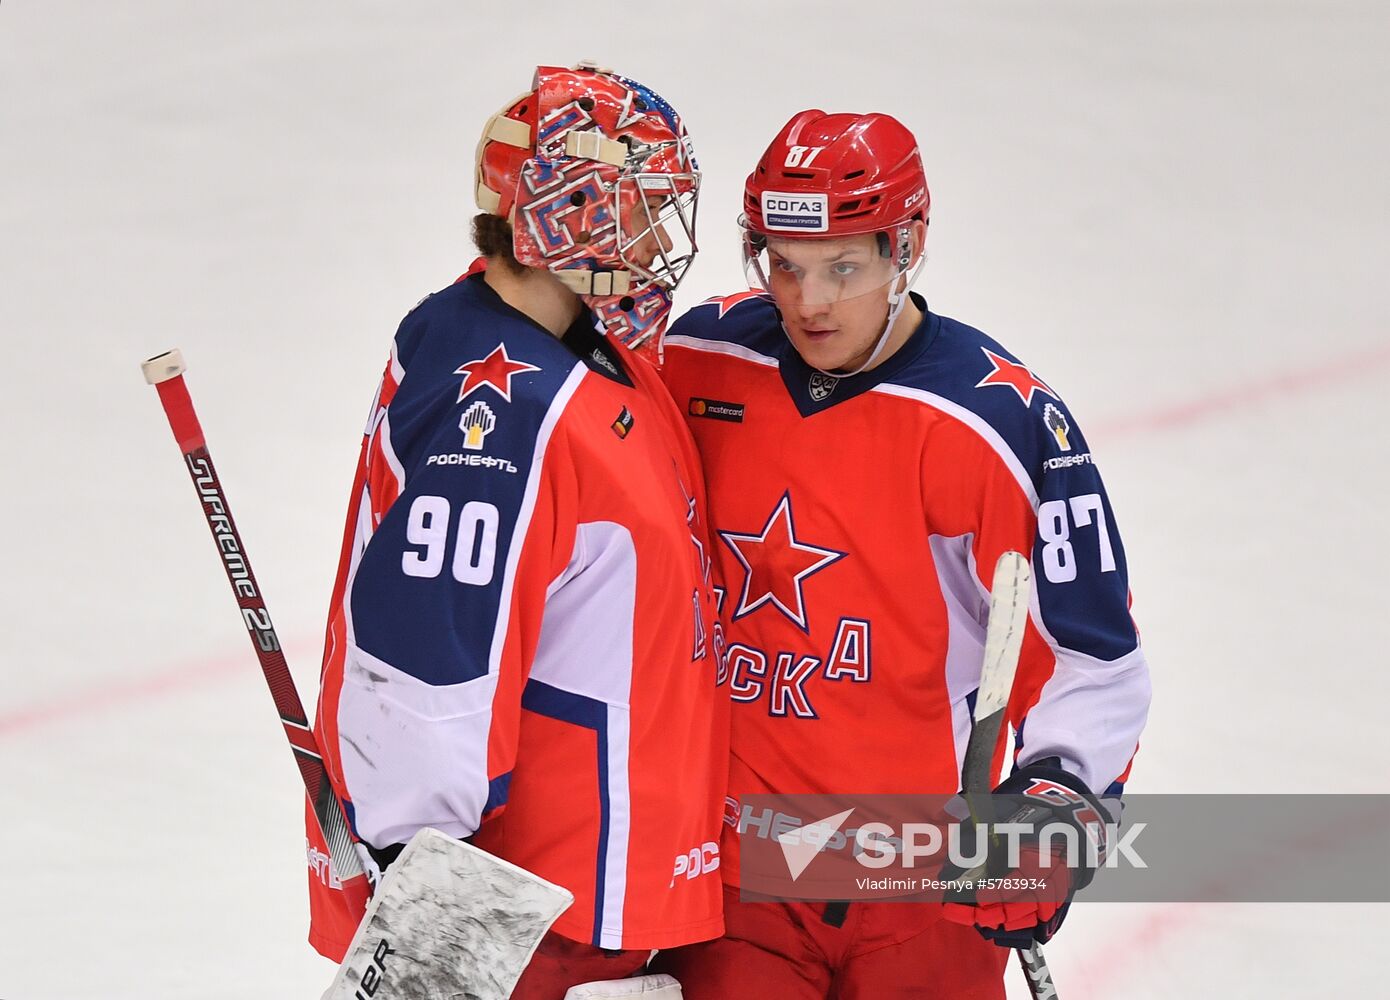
{"x":446,"y":920}
{"x":449,"y":920}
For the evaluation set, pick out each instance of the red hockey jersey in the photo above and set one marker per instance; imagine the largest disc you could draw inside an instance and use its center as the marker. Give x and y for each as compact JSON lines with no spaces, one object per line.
{"x":520,"y":648}
{"x":857,"y":523}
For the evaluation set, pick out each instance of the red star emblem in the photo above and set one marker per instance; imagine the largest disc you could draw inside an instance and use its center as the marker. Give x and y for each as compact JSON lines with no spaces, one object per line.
{"x":727,"y":302}
{"x":775,"y":563}
{"x":495,"y":370}
{"x":1019,"y":378}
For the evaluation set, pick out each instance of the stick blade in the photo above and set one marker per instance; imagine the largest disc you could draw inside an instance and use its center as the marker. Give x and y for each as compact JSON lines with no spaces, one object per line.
{"x":447,"y":921}
{"x":1008,"y":618}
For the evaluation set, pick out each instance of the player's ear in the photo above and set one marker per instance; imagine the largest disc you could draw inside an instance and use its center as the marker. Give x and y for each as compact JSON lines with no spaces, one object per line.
{"x":919,"y":241}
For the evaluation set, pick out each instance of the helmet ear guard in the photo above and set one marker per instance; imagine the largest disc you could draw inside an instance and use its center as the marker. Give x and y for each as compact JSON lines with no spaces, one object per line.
{"x":904,"y":241}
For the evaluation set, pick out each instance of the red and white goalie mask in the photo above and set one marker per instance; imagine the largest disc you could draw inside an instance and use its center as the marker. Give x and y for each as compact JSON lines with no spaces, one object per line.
{"x":599,"y":180}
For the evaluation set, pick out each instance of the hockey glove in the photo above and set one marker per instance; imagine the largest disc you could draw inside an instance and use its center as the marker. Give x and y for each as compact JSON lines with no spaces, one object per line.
{"x":1017,"y":901}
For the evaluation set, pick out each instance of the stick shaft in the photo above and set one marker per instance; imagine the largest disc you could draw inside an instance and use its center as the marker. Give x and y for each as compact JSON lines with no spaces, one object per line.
{"x":183,"y":421}
{"x":1010,"y":596}
{"x":1036,"y":972}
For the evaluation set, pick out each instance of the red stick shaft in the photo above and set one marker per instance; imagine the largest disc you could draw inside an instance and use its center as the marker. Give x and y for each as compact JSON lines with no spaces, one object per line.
{"x":165,"y":372}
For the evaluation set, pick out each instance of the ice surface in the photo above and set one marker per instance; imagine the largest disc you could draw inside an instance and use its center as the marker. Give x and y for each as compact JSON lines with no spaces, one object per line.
{"x":1175,"y":211}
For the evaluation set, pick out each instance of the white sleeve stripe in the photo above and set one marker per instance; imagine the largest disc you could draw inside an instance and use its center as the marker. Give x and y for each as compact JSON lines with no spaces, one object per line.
{"x":412,"y":754}
{"x":610,"y":930}
{"x":374,"y":414}
{"x":976,"y":423}
{"x":1090,"y":714}
{"x":389,"y":450}
{"x":528,"y":507}
{"x":965,"y":635}
{"x":425,"y":701}
{"x":720,"y":347}
{"x":397,"y":369}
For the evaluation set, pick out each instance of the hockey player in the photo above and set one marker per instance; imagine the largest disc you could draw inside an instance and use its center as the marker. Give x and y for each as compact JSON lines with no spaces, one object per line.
{"x":867,"y":462}
{"x":519,"y":647}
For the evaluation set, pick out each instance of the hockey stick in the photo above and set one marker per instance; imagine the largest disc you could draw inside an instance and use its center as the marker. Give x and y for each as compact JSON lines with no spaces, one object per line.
{"x":1008,"y":617}
{"x":447,"y":919}
{"x":165,"y":373}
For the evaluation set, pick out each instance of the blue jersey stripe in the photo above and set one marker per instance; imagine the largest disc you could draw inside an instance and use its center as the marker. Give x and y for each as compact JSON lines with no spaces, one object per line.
{"x":556,"y":703}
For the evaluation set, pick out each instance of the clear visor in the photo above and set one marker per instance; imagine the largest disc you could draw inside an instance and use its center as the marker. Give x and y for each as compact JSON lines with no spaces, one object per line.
{"x":656,"y":226}
{"x":809,"y":271}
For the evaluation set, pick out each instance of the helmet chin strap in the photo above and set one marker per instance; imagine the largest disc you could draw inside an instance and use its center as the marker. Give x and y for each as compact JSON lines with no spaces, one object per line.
{"x":897,"y":299}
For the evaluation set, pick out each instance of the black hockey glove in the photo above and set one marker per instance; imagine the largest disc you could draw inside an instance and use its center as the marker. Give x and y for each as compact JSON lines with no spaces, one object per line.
{"x":1017,"y":901}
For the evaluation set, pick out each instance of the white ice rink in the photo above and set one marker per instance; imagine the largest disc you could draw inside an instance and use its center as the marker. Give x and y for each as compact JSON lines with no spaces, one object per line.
{"x":1175,"y":211}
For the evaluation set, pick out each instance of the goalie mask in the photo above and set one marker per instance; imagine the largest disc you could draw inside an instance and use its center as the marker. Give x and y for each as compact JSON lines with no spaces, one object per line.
{"x":598,"y":178}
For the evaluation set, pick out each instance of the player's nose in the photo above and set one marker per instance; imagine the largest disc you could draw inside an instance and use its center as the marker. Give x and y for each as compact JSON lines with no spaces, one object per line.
{"x":807,"y":310}
{"x":655,"y":241}
{"x":663,"y":238}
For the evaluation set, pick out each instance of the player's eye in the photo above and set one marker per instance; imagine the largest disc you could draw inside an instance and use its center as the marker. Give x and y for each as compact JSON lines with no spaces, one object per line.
{"x":785,"y":266}
{"x":843,"y":269}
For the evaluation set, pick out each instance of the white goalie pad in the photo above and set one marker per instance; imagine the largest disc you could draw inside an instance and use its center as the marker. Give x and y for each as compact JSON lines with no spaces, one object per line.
{"x":659,"y":987}
{"x":448,"y":921}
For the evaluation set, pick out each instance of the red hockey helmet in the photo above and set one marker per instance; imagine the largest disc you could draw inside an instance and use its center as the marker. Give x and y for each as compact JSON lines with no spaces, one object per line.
{"x":825,"y":181}
{"x":599,"y":180}
{"x":837,"y":175}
